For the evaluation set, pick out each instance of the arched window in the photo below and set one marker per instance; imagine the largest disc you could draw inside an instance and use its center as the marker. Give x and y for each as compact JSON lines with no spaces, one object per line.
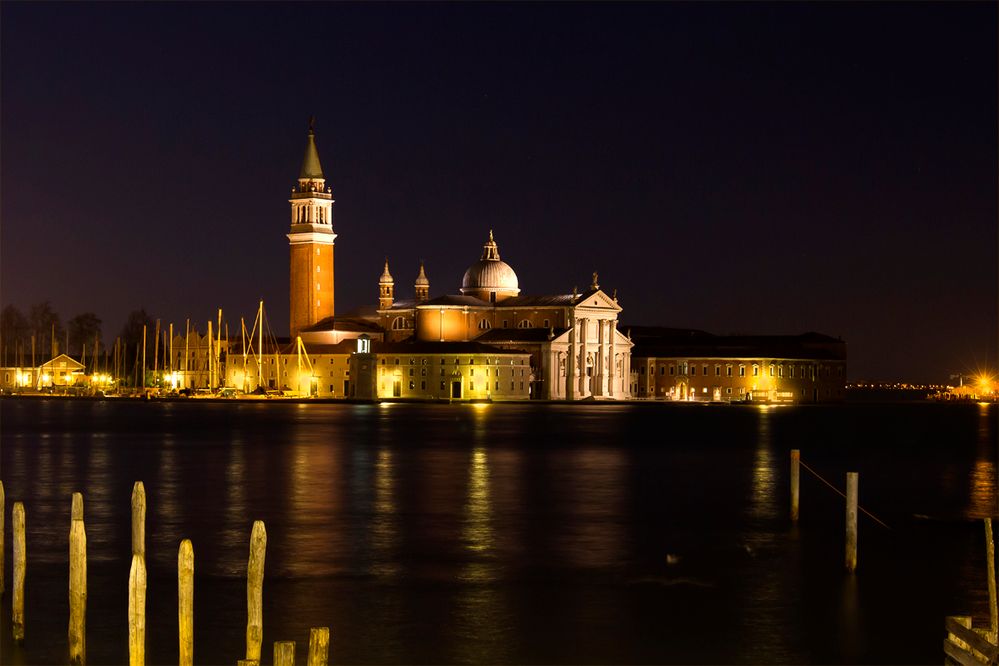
{"x":525,"y":323}
{"x":398,"y":324}
{"x":484,"y":324}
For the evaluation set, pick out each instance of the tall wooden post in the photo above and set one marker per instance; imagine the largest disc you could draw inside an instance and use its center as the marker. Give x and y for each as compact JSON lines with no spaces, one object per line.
{"x":990,"y":552}
{"x":852,"y":481}
{"x":20,"y":562}
{"x":139,"y":519}
{"x":255,"y":591}
{"x":795,"y":479}
{"x":137,"y":611}
{"x":143,"y":379}
{"x":2,"y":564}
{"x":185,"y":601}
{"x":284,"y":653}
{"x":319,"y":646}
{"x":77,"y":584}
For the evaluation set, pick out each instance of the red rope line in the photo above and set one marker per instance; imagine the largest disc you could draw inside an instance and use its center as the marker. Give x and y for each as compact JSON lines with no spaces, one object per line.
{"x":842,"y":494}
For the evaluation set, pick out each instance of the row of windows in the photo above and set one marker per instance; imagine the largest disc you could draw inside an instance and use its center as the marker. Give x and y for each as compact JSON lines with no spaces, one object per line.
{"x":804,"y":371}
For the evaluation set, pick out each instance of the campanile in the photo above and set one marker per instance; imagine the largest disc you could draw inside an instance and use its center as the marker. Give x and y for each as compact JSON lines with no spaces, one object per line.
{"x":311,"y":242}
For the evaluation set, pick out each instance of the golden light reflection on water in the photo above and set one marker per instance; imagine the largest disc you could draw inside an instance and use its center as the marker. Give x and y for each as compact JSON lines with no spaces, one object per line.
{"x":982,"y":499}
{"x":384,"y":531}
{"x":763,"y":499}
{"x":477,"y":529}
{"x":313,"y":500}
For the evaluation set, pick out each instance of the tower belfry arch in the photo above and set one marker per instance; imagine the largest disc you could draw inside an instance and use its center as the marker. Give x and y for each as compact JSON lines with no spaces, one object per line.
{"x":311,"y":238}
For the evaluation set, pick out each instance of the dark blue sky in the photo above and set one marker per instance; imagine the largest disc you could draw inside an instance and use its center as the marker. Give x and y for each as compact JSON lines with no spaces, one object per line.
{"x":735,"y":167}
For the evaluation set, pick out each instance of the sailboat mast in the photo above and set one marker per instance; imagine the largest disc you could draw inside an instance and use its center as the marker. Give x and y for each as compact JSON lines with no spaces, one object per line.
{"x":260,"y":347}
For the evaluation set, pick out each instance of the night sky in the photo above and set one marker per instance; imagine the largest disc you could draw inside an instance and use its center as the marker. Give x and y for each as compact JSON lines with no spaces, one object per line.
{"x":737,"y":168}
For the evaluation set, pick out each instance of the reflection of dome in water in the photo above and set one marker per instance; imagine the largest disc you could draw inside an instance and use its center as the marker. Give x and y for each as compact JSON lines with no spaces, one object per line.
{"x":490,"y":274}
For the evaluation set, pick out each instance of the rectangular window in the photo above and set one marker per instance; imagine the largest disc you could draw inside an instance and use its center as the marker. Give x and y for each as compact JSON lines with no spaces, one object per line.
{"x":756,"y":371}
{"x":790,"y":370}
{"x":717,"y":371}
{"x":423,"y":385}
{"x":511,"y":386}
{"x":547,"y":324}
{"x":662,"y":370}
{"x":471,"y":386}
{"x":742,"y":371}
{"x":672,"y":370}
{"x":471,"y":372}
{"x":412,"y":384}
{"x":780,"y":370}
{"x":641,"y":370}
{"x":443,"y":385}
{"x":693,"y":370}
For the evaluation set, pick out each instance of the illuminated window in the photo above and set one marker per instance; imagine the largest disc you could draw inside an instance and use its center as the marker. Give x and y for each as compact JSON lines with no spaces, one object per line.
{"x":780,"y":371}
{"x":398,"y":324}
{"x":412,"y":384}
{"x":317,"y":269}
{"x":771,"y":369}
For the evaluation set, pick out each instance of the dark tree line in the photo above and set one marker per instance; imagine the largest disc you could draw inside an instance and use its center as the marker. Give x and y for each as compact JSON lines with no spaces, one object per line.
{"x":51,"y":337}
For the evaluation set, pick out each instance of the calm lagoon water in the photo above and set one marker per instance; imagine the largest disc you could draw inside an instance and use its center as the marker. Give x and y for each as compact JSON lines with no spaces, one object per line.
{"x":509,"y":533}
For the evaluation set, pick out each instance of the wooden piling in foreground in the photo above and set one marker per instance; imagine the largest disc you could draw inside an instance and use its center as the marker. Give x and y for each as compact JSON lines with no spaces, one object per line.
{"x":990,"y":552}
{"x":795,"y":479}
{"x":255,"y":591}
{"x":284,"y":653}
{"x":319,"y":646}
{"x":20,"y":563}
{"x":2,"y":563}
{"x":137,"y":612}
{"x":852,"y":481}
{"x":77,"y":584}
{"x":139,"y":519}
{"x":185,"y":601}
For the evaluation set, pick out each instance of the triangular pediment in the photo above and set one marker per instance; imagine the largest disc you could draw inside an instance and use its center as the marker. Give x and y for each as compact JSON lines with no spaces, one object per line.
{"x":597,"y":299}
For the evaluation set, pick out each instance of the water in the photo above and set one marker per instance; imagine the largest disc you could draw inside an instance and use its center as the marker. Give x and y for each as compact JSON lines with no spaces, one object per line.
{"x":509,"y":533}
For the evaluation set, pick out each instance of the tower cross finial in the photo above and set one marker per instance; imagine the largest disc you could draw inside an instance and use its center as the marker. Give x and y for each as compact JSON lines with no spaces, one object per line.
{"x":312,"y":123}
{"x":594,"y":285}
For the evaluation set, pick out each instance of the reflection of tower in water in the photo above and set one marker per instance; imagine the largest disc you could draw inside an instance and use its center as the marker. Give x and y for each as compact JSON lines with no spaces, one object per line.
{"x":384,"y":531}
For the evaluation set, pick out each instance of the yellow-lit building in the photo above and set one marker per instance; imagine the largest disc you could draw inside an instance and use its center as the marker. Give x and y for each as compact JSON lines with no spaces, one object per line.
{"x":690,"y":365}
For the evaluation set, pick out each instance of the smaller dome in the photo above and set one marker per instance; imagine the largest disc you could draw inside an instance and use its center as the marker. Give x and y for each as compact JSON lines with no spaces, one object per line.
{"x":421,"y":279}
{"x":386,"y":277}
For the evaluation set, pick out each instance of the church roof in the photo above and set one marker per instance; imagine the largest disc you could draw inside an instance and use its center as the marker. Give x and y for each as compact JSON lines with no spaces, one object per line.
{"x":520,"y":334}
{"x":454,"y":299}
{"x":353,"y":325}
{"x":311,"y":168}
{"x":538,"y":301}
{"x":432,"y":347}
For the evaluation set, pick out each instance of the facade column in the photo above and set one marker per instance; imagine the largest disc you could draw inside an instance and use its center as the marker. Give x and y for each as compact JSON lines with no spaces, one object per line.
{"x":583,"y":332}
{"x":611,"y":387}
{"x":570,"y":364}
{"x":599,"y":387}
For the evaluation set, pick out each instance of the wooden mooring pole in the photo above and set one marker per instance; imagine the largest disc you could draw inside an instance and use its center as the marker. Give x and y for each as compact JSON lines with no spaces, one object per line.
{"x":990,"y":553}
{"x":2,"y":564}
{"x":77,"y":584}
{"x":137,"y":611}
{"x":20,"y":562}
{"x":139,"y":519}
{"x":284,"y":653}
{"x":795,"y":479}
{"x":255,"y":591}
{"x":185,"y":601}
{"x":852,"y":481}
{"x":319,"y":646}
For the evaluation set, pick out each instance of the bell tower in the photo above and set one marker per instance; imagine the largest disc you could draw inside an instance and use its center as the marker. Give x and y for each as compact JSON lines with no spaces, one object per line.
{"x":311,"y":241}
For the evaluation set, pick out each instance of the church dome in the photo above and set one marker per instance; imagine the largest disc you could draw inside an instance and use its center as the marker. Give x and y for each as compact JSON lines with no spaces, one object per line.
{"x":490,"y":276}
